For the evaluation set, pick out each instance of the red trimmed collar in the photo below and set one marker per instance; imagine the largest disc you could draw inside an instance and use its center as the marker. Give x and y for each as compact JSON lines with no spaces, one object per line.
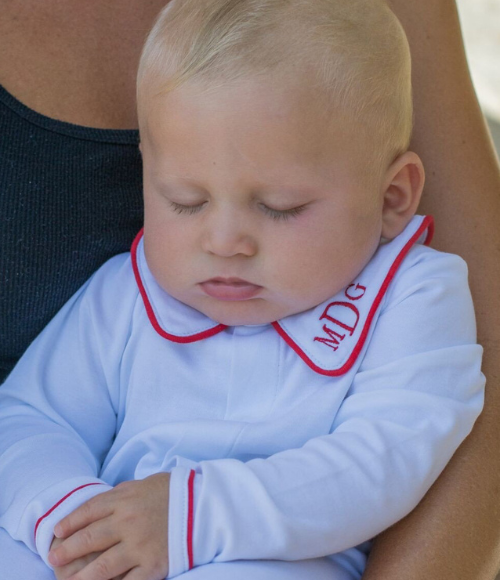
{"x":328,"y":338}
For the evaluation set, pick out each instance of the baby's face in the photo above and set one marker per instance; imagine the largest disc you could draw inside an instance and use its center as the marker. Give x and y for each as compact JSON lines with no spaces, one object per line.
{"x":256,"y":207}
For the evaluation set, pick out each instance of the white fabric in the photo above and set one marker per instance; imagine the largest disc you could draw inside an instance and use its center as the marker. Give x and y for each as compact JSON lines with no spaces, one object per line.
{"x":291,"y":464}
{"x":17,"y":562}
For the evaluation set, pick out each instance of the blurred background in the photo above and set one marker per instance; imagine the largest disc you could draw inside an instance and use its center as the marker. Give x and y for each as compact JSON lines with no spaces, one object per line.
{"x":480,"y":21}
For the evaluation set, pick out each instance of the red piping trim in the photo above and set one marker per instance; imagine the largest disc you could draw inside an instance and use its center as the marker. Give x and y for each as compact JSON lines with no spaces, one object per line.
{"x":149,"y":308}
{"x":427,"y":223}
{"x":190,"y":519}
{"x":430,"y":231}
{"x":60,"y":502}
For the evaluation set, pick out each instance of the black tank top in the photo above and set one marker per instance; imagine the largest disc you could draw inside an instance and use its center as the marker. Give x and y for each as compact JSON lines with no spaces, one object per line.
{"x":70,"y":198}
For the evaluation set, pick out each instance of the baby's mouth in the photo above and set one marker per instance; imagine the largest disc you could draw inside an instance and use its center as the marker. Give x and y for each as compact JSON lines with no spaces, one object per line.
{"x":230,"y":289}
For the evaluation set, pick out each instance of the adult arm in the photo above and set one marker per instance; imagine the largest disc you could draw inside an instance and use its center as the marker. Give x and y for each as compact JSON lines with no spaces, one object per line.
{"x":454,"y":534}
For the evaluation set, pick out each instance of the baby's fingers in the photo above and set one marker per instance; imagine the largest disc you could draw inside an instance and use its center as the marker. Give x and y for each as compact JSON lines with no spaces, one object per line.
{"x":95,"y":509}
{"x":96,"y":537}
{"x":65,"y":572}
{"x":110,"y":565}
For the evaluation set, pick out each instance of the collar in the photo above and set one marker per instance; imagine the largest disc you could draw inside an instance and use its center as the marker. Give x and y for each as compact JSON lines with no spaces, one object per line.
{"x":328,"y":338}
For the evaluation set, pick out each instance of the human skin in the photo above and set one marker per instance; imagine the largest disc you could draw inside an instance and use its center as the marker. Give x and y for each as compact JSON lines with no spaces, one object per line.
{"x":258,"y":204}
{"x":70,"y":60}
{"x":454,"y":534}
{"x":120,"y":533}
{"x":75,"y":61}
{"x":65,"y":572}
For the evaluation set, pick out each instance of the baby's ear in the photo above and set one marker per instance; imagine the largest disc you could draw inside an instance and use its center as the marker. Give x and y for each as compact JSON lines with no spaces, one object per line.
{"x":403,"y":184}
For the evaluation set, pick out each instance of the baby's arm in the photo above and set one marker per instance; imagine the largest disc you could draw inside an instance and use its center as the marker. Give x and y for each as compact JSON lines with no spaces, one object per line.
{"x":58,"y":414}
{"x":412,"y":402}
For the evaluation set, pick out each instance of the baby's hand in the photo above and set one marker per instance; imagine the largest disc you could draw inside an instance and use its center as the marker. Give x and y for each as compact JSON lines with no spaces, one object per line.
{"x":124,"y":529}
{"x":65,"y":572}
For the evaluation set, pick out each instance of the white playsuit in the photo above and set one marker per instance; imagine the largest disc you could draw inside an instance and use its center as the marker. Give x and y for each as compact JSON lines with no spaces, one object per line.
{"x":290,"y":445}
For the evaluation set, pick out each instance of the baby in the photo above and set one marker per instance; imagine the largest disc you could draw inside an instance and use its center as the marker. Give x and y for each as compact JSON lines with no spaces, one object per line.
{"x":281,"y":367}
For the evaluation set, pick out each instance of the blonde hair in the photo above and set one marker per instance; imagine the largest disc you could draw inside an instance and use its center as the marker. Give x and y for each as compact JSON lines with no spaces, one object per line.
{"x":356,"y":50}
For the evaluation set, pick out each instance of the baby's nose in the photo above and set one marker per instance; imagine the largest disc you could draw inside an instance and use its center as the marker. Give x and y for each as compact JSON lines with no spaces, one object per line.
{"x":228,"y":235}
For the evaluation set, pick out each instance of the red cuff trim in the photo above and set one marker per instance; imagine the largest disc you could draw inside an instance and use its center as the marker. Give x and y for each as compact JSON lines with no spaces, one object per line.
{"x":190,"y":519}
{"x":150,"y":311}
{"x":60,"y":502}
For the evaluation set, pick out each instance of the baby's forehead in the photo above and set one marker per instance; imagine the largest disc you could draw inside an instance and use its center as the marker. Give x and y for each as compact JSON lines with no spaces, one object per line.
{"x":252,"y":103}
{"x":274,"y":136}
{"x":252,"y":99}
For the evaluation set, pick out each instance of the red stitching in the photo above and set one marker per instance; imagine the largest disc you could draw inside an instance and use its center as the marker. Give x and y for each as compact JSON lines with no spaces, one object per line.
{"x":60,"y":502}
{"x":149,"y":308}
{"x":427,"y":223}
{"x":430,"y":231}
{"x":190,"y":520}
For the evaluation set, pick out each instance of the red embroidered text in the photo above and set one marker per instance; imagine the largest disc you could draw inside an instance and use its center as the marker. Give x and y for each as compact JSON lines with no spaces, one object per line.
{"x":342,"y":317}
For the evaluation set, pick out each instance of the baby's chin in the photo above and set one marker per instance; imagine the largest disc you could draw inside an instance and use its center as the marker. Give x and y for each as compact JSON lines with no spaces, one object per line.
{"x":241,"y":313}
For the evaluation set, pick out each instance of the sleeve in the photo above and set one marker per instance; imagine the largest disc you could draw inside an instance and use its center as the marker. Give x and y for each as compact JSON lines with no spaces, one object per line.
{"x":58,"y":415}
{"x":413,"y":400}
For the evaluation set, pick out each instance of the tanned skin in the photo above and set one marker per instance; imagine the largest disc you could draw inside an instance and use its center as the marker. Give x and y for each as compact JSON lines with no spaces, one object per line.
{"x":454,"y":534}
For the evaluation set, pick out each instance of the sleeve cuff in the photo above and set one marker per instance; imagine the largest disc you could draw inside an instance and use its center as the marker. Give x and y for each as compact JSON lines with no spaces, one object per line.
{"x":181,"y":520}
{"x":44,"y":527}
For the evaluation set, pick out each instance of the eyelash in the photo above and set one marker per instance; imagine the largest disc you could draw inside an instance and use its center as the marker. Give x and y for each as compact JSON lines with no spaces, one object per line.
{"x":277,"y":215}
{"x":189,"y":209}
{"x":285,"y":214}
